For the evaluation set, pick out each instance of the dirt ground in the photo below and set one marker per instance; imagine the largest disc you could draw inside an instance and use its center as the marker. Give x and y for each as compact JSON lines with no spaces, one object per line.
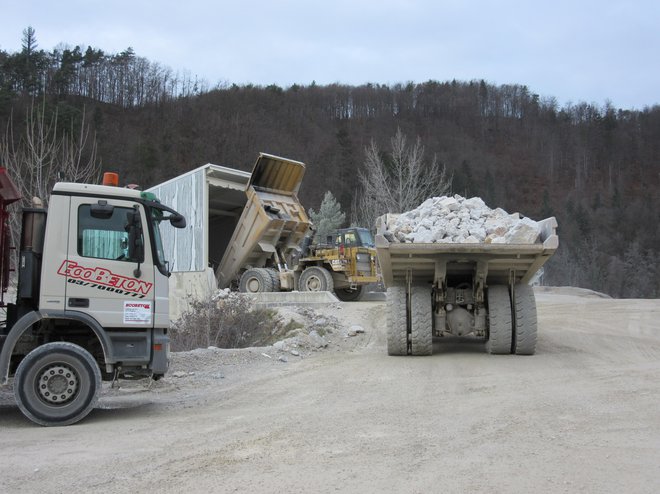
{"x":582,"y":415}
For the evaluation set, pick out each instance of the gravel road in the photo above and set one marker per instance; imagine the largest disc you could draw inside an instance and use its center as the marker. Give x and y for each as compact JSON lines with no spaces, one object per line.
{"x":582,"y":415}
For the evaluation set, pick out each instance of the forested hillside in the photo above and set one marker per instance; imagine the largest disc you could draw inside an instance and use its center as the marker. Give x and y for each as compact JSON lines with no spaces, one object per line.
{"x":596,"y":168}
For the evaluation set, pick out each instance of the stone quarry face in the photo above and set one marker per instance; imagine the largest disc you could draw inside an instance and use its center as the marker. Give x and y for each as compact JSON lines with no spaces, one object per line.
{"x":456,"y":219}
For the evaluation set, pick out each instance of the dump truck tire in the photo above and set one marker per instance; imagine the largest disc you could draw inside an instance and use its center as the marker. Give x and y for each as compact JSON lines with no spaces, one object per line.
{"x":499,"y":316}
{"x":255,"y":280}
{"x":524,"y":339}
{"x":397,"y":327}
{"x":421,"y":321}
{"x":315,"y":279}
{"x":347,"y":294}
{"x":57,"y":384}
{"x":275,"y":277}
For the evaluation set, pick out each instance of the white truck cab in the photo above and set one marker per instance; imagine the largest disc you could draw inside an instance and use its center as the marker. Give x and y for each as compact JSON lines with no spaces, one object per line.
{"x":92,"y":299}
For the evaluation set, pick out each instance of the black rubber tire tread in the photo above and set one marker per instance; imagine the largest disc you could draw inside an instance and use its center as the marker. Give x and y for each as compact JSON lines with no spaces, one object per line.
{"x":275,"y":278}
{"x":500,"y":328}
{"x":261,"y":275}
{"x":329,"y":282}
{"x":397,"y":326}
{"x":421,"y":321}
{"x":326,"y":284}
{"x":348,"y":295}
{"x":525,"y":323}
{"x":31,"y":367}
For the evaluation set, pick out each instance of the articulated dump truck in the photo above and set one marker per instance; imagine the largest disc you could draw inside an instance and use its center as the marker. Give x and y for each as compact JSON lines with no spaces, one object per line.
{"x":478,"y":289}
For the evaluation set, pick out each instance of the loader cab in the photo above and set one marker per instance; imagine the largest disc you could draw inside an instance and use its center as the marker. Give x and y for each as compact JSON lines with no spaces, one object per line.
{"x":351,"y":237}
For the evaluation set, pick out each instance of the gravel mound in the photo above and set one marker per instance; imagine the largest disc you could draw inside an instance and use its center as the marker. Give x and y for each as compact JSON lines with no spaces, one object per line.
{"x":456,"y":219}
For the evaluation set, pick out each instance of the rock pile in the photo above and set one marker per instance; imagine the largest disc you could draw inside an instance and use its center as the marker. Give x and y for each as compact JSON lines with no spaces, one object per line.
{"x":459,"y":220}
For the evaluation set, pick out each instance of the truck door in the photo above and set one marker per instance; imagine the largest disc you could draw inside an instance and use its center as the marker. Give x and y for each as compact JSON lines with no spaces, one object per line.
{"x":109,"y":268}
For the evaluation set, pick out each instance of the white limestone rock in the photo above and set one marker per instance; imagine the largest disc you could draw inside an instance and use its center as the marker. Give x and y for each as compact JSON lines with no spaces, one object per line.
{"x":459,"y":220}
{"x":525,"y":231}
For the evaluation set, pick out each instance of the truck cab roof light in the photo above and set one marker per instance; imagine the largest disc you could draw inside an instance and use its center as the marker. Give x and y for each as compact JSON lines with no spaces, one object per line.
{"x":110,"y":178}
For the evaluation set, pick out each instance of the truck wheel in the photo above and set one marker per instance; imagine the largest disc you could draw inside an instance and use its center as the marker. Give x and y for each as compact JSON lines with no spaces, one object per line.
{"x":499,"y":315}
{"x":275,"y":277}
{"x":397,"y":326}
{"x":57,"y":384}
{"x":255,"y":280}
{"x":421,"y":321}
{"x":316,"y":279}
{"x":525,"y":324}
{"x":348,"y":294}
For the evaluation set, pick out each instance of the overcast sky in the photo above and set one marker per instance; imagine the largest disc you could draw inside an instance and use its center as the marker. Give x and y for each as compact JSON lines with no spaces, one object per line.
{"x":574,"y":50}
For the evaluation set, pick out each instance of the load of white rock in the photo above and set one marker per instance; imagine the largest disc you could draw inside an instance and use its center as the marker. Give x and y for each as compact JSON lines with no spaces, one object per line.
{"x":458,"y":220}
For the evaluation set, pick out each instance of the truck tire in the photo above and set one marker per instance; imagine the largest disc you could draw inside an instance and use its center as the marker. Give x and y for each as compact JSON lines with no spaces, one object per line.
{"x":397,"y":325}
{"x":524,"y":338}
{"x":315,"y":279}
{"x":348,"y":294}
{"x":499,"y":316}
{"x":421,"y":321}
{"x":255,"y":280}
{"x":57,"y":384}
{"x":275,"y":277}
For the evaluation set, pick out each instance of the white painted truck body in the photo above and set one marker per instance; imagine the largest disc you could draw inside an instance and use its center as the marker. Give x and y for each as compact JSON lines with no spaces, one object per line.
{"x":92,"y":298}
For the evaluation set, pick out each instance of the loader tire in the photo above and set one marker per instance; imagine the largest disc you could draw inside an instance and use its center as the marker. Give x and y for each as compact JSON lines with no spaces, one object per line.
{"x":57,"y":384}
{"x":347,"y":294}
{"x":499,"y":316}
{"x":315,"y":279}
{"x":397,"y":325}
{"x":525,"y":324}
{"x":255,"y":280}
{"x":421,"y":321}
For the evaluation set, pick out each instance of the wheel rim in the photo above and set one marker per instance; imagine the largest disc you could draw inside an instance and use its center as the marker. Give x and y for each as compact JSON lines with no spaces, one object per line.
{"x":313,"y":284}
{"x":58,"y":384}
{"x":253,"y":285}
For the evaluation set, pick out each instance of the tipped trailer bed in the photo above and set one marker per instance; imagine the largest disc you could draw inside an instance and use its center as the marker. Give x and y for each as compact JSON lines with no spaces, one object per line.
{"x":482,"y":290}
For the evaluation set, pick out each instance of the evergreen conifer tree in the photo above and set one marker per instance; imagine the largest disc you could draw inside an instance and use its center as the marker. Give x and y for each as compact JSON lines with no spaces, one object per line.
{"x":328,"y":218}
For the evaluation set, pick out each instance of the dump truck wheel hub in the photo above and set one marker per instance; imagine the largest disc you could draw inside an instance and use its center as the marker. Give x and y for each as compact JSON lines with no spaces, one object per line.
{"x":253,"y":285}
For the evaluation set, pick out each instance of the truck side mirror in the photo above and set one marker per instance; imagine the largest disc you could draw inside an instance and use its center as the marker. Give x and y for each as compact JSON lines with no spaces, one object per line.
{"x":102,"y":210}
{"x":135,"y":243}
{"x":178,"y":221}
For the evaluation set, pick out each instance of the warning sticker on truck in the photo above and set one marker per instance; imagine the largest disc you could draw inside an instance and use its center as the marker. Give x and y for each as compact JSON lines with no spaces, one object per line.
{"x":137,"y":312}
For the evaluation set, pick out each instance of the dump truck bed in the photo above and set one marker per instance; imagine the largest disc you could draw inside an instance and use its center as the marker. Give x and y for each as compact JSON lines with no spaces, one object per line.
{"x":504,"y":263}
{"x":273,"y":222}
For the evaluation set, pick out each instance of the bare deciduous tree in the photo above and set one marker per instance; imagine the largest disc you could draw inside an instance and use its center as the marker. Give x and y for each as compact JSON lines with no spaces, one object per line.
{"x":44,"y":155}
{"x":396,"y":182}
